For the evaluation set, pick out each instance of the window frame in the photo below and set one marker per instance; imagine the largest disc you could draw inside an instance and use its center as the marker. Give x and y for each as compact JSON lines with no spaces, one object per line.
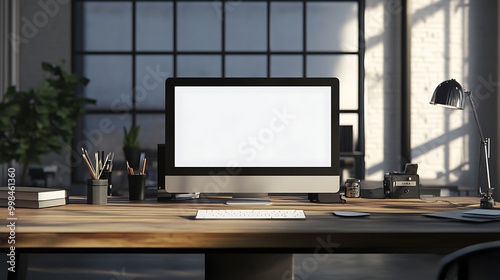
{"x":78,"y":53}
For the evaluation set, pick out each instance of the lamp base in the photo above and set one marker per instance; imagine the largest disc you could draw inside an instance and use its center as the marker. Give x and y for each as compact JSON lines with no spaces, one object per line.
{"x":486,"y":202}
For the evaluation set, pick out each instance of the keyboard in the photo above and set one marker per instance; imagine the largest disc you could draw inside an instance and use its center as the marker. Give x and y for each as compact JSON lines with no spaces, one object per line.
{"x":250,"y":215}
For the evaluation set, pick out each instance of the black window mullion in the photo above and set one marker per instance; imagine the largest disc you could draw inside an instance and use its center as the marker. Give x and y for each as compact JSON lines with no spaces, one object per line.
{"x":174,"y":66}
{"x":134,"y":84}
{"x":210,"y":52}
{"x":304,"y":38}
{"x":79,"y":54}
{"x":223,"y":39}
{"x":268,"y":39}
{"x":361,"y":86}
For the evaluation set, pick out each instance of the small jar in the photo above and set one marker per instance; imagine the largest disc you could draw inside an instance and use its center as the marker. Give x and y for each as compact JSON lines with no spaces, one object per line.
{"x":352,"y":188}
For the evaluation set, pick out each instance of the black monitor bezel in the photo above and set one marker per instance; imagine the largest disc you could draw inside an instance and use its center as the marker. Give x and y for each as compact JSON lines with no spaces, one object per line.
{"x":171,"y":170}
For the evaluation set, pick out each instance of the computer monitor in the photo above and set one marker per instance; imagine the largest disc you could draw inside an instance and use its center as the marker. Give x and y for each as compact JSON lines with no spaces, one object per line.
{"x":252,"y":136}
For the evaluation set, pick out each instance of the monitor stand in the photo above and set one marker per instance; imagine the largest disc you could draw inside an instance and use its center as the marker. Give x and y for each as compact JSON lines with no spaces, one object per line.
{"x":249,"y":199}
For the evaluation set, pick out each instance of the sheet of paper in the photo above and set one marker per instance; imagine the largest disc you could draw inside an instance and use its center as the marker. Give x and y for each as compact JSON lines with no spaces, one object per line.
{"x":457,"y":215}
{"x":484,"y":213}
{"x":350,"y":214}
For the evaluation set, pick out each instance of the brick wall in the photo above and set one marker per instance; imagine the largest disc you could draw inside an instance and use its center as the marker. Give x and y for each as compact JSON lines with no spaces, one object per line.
{"x":449,"y":39}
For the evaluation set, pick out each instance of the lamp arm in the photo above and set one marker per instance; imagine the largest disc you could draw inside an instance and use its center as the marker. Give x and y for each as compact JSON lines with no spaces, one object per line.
{"x":485,"y":146}
{"x":469,"y":94}
{"x":486,"y":149}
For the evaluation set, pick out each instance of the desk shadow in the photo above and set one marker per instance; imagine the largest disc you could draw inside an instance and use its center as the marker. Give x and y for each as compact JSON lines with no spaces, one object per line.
{"x":192,"y":218}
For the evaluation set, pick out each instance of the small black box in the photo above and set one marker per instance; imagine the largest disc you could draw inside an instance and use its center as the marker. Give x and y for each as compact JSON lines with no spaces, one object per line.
{"x":401,"y":185}
{"x":404,"y":184}
{"x":325,"y":198}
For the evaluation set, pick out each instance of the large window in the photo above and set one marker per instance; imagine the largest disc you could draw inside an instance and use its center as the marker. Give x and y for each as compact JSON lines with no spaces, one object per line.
{"x":128,"y":48}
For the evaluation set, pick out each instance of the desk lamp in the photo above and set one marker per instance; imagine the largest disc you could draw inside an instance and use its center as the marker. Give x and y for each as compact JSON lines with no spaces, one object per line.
{"x":449,"y":94}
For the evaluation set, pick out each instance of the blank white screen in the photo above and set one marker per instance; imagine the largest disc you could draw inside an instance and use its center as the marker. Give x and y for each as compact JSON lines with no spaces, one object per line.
{"x":262,"y":126}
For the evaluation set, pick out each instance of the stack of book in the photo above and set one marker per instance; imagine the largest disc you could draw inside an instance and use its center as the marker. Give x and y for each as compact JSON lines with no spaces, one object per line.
{"x":33,"y":197}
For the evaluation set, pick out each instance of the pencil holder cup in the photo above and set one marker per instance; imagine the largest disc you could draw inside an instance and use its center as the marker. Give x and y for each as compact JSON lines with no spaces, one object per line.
{"x":97,"y":192}
{"x":107,"y":175}
{"x":136,"y":186}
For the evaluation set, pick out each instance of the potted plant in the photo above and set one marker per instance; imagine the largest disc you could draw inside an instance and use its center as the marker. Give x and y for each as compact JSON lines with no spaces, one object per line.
{"x":38,"y":121}
{"x":131,"y":145}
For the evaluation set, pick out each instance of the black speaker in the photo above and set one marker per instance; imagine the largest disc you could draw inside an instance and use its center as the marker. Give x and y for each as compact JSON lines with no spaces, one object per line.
{"x":163,"y":195}
{"x":346,"y":139}
{"x":161,"y":166}
{"x":345,"y":145}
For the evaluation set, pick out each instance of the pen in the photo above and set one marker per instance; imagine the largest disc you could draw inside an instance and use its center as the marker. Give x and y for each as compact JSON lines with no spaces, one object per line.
{"x":141,"y":159}
{"x":143,"y":166}
{"x":102,"y":167}
{"x":87,"y":158}
{"x":107,"y":163}
{"x":111,"y":162}
{"x":96,"y":156}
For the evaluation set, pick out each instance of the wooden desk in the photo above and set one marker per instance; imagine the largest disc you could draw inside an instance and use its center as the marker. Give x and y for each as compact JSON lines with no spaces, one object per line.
{"x":396,"y":225}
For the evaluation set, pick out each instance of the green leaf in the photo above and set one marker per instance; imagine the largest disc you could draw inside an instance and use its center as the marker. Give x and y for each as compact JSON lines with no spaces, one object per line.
{"x":40,"y":109}
{"x":4,"y":121}
{"x":39,"y":125}
{"x":9,"y":109}
{"x":55,"y":146}
{"x":84,"y":81}
{"x":63,"y":112}
{"x":11,"y":92}
{"x":90,"y":101}
{"x":73,"y":78}
{"x":40,"y":120}
{"x":47,"y":67}
{"x":131,"y":137}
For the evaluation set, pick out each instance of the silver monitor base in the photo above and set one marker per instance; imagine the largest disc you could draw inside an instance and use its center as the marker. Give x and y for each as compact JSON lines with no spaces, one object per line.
{"x":249,"y":199}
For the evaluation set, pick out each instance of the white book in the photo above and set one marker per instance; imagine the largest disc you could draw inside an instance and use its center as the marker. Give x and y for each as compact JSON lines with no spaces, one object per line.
{"x":32,"y":193}
{"x":34,"y":203}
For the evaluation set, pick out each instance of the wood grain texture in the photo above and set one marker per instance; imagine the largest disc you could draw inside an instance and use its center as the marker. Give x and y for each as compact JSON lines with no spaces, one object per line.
{"x":395,"y":225}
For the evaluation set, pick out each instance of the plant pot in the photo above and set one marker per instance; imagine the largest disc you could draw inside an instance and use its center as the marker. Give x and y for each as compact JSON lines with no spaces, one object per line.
{"x":132,"y":155}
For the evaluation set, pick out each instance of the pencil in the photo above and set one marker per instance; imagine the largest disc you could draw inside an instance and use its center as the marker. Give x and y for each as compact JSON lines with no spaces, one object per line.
{"x":129,"y":169}
{"x":90,"y":168}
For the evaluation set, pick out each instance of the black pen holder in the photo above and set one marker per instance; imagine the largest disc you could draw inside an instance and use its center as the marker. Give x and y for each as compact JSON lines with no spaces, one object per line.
{"x":107,"y":175}
{"x":97,"y":191}
{"x":136,"y":186}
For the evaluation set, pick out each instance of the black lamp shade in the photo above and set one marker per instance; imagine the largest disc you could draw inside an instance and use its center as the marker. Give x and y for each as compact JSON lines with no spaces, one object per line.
{"x":449,"y":94}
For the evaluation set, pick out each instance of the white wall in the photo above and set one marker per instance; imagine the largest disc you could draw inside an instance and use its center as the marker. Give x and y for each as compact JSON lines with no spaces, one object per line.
{"x":45,"y":35}
{"x":440,"y":138}
{"x":382,"y":87}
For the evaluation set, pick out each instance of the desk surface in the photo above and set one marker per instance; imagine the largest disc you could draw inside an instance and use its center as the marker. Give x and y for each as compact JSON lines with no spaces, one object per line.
{"x":396,"y":225}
